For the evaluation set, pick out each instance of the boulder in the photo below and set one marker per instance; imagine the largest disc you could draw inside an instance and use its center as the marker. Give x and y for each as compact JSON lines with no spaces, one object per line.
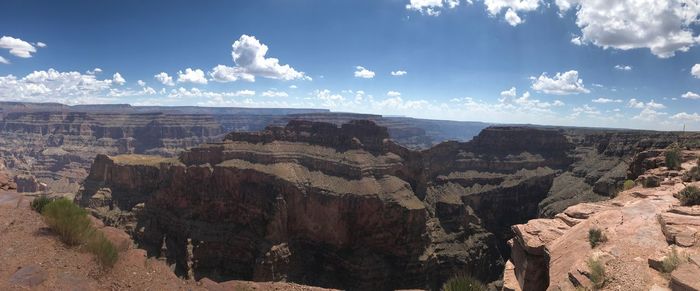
{"x":686,"y":278}
{"x":29,"y":276}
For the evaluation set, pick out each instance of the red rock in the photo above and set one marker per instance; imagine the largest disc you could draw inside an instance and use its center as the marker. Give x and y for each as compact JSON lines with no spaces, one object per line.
{"x":686,"y":278}
{"x":120,"y":239}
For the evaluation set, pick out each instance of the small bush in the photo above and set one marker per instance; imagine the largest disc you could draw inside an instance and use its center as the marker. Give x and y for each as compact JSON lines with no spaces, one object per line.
{"x":629,"y":184}
{"x":597,"y":275}
{"x":463,"y":283}
{"x":673,"y":157}
{"x":40,"y":202}
{"x":596,"y":237}
{"x":105,"y":252}
{"x":689,"y":196}
{"x":692,"y":175}
{"x":68,"y":220}
{"x":671,"y":262}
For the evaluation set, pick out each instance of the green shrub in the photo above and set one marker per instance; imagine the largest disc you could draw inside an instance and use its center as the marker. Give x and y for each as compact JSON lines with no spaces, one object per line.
{"x":597,"y":275}
{"x":105,"y":252}
{"x":73,"y":227}
{"x":596,"y":237}
{"x":689,"y":196}
{"x":629,"y":184}
{"x":40,"y":202}
{"x":68,"y":220}
{"x":671,"y":262}
{"x":673,"y":157}
{"x":463,"y":283}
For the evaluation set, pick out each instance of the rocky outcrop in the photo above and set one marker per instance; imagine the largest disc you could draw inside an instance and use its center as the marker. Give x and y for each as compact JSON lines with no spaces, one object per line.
{"x":642,"y":226}
{"x":341,"y":207}
{"x":6,"y":182}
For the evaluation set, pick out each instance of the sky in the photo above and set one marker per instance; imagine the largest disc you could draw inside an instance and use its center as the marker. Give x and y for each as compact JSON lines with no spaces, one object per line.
{"x":623,"y":63}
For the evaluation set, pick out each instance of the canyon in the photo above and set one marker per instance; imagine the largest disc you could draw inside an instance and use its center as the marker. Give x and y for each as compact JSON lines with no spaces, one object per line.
{"x":335,"y":200}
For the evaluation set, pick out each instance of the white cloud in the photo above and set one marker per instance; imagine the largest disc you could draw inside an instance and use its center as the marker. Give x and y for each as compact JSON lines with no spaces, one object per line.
{"x":586,"y":109}
{"x":512,"y":18}
{"x":293,"y":86}
{"x":94,"y":71}
{"x":141,"y":83}
{"x":695,"y":71}
{"x":509,"y":93}
{"x":118,"y":79}
{"x":17,"y":47}
{"x":686,"y":117}
{"x":577,"y":40}
{"x":393,"y":94}
{"x":4,"y":61}
{"x":398,"y":73}
{"x":649,"y":114}
{"x":273,"y":93}
{"x":164,"y":79}
{"x":634,"y":103}
{"x":361,"y":72}
{"x":196,"y":92}
{"x":690,"y":95}
{"x":55,"y":86}
{"x":432,"y":7}
{"x":512,"y":7}
{"x":623,"y":68}
{"x":606,"y":100}
{"x":561,"y":84}
{"x":249,"y":56}
{"x":664,"y":27}
{"x":195,"y":76}
{"x":40,"y":44}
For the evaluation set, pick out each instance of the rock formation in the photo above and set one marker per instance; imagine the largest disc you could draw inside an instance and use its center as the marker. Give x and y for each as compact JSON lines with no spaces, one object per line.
{"x":56,"y":144}
{"x":643,"y":225}
{"x":341,"y":207}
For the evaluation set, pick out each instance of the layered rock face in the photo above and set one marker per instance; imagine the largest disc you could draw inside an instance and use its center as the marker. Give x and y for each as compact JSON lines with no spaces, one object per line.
{"x":643,"y":227}
{"x":331,"y":206}
{"x":55,"y":144}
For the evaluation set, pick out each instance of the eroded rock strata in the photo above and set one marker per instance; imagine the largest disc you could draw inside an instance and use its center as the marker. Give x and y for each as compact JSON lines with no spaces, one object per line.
{"x":347,"y":207}
{"x":330,"y":206}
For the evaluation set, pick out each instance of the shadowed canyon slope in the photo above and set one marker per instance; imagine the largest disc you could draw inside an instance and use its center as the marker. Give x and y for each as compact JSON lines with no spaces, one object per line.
{"x":347,"y":207}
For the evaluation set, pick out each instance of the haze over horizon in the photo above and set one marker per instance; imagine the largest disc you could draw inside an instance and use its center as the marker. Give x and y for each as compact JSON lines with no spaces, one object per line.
{"x":554,"y":62}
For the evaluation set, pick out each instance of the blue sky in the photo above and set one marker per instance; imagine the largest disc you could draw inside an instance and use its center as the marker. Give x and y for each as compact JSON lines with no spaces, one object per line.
{"x":562,"y":62}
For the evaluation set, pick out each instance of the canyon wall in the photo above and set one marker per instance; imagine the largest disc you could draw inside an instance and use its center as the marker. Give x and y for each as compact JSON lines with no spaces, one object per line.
{"x":55,"y":144}
{"x":334,"y":206}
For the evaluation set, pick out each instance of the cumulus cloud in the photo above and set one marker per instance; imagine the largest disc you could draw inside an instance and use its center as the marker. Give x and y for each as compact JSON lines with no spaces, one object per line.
{"x":141,"y":83}
{"x":17,"y":47}
{"x":164,"y":79}
{"x":606,"y":100}
{"x":293,"y":86}
{"x":118,"y":79}
{"x":195,"y":76}
{"x":393,"y":94}
{"x":691,"y":95}
{"x":362,"y":72}
{"x":55,"y":86}
{"x":512,"y":7}
{"x":561,"y":84}
{"x":249,"y":55}
{"x":398,"y":73}
{"x":94,"y":71}
{"x":683,"y":116}
{"x":40,"y":44}
{"x":695,"y":71}
{"x":273,"y":93}
{"x":623,"y":68}
{"x":664,"y":27}
{"x":198,"y":93}
{"x":634,"y":103}
{"x":432,"y":7}
{"x":4,"y":61}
